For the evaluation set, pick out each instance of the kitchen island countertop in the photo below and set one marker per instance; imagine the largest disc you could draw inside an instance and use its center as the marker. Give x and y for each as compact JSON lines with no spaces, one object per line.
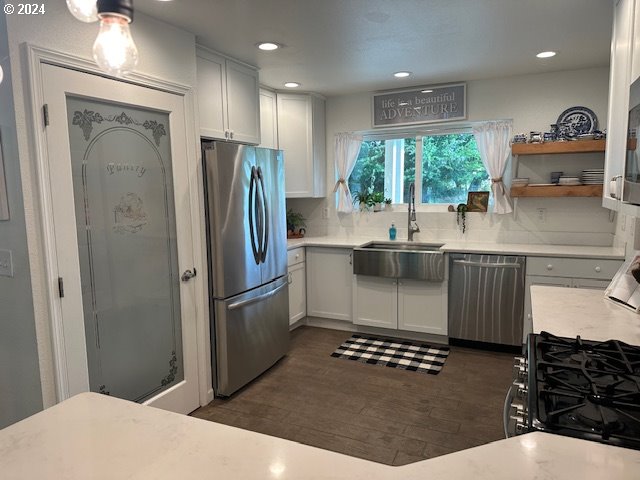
{"x":92,"y":436}
{"x":567,"y":312}
{"x":543,"y":250}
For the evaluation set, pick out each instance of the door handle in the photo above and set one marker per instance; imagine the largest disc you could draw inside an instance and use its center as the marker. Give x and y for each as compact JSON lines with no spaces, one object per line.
{"x":188,"y":275}
{"x":265,"y":213}
{"x":252,"y":210}
{"x":487,"y":265}
{"x":244,"y":303}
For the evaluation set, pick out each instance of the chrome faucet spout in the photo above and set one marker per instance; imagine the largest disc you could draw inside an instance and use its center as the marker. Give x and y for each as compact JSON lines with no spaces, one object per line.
{"x":412,"y":226}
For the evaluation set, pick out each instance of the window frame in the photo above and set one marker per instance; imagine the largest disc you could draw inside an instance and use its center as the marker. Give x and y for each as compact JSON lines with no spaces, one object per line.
{"x":418,"y":134}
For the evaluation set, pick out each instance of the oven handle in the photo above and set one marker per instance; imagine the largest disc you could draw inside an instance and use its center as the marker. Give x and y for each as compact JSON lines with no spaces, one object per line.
{"x":505,"y":413}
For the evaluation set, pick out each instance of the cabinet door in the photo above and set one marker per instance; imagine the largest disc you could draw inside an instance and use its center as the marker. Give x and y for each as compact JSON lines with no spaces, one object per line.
{"x":618,"y":111}
{"x":212,"y":103}
{"x":329,"y":283}
{"x":422,"y":306}
{"x":375,"y":301}
{"x":243,"y":103}
{"x":297,"y":293}
{"x":268,"y":119}
{"x":295,"y":140}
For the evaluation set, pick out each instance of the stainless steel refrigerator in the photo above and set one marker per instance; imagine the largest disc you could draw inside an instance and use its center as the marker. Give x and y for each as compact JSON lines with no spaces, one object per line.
{"x":247,"y":254}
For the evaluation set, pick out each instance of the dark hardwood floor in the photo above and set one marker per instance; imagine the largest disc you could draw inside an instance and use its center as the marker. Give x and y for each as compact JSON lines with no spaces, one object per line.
{"x":383,"y":414}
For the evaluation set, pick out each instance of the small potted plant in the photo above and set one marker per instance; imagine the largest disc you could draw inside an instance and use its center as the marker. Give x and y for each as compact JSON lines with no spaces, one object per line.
{"x":377,"y":199}
{"x":363,"y":199}
{"x":295,"y":224}
{"x":387,"y":204}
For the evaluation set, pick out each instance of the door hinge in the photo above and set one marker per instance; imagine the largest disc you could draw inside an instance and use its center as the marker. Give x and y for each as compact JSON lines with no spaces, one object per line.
{"x":60,"y":287}
{"x":45,"y":114}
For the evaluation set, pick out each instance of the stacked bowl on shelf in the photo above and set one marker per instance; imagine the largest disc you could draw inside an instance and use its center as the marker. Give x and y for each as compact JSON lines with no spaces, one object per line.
{"x":568,"y":180}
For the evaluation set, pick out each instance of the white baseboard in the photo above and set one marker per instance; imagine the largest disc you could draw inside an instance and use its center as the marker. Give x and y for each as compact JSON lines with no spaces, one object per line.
{"x":350,"y":327}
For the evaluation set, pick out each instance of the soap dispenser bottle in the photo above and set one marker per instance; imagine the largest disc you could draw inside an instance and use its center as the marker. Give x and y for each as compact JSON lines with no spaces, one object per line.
{"x":392,"y":232}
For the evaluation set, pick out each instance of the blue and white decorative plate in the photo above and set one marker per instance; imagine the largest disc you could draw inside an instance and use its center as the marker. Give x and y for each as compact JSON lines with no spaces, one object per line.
{"x":580,"y":119}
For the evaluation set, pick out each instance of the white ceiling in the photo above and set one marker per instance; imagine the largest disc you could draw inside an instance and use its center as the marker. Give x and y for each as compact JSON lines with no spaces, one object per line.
{"x":343,"y":46}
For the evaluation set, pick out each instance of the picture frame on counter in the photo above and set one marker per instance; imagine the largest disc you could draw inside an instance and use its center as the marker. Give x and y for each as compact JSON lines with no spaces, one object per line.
{"x":477,"y":201}
{"x":419,"y":105}
{"x":4,"y":198}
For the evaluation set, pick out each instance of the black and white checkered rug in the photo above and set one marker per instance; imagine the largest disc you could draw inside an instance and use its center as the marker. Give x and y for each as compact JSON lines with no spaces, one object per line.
{"x":417,"y":357}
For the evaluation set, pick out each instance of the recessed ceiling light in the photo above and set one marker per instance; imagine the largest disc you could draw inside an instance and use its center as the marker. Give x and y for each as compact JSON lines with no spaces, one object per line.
{"x":548,"y":54}
{"x":268,"y":46}
{"x":401,"y":74}
{"x":292,"y":84}
{"x":426,"y":91}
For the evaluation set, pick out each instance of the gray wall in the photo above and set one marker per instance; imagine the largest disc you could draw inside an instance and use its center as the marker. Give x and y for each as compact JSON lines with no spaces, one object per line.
{"x":20,"y":393}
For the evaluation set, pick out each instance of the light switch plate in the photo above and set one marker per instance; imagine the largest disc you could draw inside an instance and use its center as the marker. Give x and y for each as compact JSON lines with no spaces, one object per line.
{"x":6,"y":263}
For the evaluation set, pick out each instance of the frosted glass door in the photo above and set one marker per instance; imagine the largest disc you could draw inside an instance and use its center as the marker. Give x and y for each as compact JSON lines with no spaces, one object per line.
{"x":126,"y":225}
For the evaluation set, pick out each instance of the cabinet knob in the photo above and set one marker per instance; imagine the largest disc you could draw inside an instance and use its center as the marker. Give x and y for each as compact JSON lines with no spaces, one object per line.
{"x":598,"y":269}
{"x":549,"y":267}
{"x":226,"y":134}
{"x":297,"y":255}
{"x":231,"y":134}
{"x":400,"y":283}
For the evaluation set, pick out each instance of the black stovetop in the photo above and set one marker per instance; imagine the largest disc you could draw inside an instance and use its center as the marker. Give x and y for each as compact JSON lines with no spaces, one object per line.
{"x":585,"y":389}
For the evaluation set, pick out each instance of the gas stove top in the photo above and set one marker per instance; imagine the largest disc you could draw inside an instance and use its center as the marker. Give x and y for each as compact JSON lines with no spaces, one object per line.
{"x":584,"y":389}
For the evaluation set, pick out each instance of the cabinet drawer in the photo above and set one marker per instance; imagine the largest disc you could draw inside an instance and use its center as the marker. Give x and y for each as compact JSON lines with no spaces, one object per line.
{"x":295,"y":256}
{"x":573,"y":267}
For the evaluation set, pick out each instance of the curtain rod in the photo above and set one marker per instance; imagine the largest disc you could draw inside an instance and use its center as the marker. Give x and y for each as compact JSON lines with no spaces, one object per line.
{"x":413,"y":130}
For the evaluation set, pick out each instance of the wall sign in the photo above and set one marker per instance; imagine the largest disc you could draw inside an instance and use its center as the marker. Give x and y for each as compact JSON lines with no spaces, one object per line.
{"x":420,"y":105}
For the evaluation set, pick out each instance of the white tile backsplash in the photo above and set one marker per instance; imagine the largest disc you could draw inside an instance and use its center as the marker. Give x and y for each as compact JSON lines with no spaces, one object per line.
{"x":569,"y":221}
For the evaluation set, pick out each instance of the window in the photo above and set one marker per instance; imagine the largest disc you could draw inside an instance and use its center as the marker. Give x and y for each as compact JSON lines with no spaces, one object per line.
{"x":450,"y":167}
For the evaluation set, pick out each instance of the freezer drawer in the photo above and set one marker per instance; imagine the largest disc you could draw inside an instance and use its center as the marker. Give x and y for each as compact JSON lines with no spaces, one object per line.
{"x":486,"y":298}
{"x":251,"y":334}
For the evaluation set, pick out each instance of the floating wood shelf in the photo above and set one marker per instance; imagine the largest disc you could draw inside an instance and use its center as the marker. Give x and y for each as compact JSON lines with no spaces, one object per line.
{"x":558,"y":191}
{"x":577,"y":146}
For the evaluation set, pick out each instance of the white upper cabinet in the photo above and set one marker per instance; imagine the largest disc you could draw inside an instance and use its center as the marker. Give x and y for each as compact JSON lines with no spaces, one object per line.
{"x":268,"y":119}
{"x":301,"y":136}
{"x":228,"y":99}
{"x":619,"y":80}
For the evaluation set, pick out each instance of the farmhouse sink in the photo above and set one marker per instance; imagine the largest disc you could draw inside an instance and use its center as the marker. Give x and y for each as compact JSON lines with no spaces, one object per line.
{"x":419,"y":261}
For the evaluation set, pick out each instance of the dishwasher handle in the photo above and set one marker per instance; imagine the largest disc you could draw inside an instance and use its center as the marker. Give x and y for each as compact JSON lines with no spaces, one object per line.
{"x":469,"y":263}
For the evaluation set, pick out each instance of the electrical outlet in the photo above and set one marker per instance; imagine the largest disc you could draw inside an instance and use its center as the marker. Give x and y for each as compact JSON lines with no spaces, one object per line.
{"x":325,"y":213}
{"x":541,"y":215}
{"x":6,"y":263}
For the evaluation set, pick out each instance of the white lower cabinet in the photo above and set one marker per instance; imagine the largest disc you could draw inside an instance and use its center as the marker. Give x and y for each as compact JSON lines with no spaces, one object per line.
{"x":422,"y":306}
{"x":297,"y":293}
{"x":409,"y":305}
{"x":329,"y":278}
{"x":375,"y":301}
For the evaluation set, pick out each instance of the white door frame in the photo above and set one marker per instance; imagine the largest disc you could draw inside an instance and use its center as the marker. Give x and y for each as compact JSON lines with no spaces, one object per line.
{"x":37,"y":56}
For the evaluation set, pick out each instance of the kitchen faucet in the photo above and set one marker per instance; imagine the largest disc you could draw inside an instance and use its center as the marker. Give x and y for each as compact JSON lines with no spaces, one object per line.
{"x":411,"y":217}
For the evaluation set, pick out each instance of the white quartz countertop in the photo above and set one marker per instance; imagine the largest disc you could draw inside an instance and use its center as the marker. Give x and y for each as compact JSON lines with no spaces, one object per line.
{"x":567,"y":312}
{"x":95,"y":437}
{"x":578,"y":251}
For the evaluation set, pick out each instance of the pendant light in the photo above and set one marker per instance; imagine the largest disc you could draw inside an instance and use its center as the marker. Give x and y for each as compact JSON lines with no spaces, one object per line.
{"x":114,"y":50}
{"x":84,"y":10}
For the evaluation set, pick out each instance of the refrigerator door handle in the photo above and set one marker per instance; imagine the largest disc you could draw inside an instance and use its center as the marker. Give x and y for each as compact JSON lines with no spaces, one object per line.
{"x":265,"y":213}
{"x":259,"y":298}
{"x":253,"y":187}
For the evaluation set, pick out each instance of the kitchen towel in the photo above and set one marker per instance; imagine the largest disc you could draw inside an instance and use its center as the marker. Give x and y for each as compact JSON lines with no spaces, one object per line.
{"x":417,"y":357}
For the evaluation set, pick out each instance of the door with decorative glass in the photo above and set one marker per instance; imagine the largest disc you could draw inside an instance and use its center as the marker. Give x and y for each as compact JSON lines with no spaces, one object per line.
{"x":118,"y":170}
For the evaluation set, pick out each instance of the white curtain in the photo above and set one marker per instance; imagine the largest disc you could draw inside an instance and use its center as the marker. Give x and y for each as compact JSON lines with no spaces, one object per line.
{"x":347,"y":148}
{"x":493,"y":143}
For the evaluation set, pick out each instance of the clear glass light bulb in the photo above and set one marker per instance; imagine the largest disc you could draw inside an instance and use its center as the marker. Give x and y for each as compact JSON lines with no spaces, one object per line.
{"x":114,"y":50}
{"x":84,"y":10}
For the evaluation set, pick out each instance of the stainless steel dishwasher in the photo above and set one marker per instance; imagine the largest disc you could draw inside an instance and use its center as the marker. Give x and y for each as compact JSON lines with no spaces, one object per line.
{"x":486,"y":298}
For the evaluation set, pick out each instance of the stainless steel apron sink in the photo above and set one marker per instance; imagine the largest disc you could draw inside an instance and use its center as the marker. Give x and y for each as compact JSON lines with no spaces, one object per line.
{"x":420,"y":261}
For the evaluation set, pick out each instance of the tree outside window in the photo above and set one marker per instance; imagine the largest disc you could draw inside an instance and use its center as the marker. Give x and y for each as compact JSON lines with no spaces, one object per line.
{"x":451,"y":167}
